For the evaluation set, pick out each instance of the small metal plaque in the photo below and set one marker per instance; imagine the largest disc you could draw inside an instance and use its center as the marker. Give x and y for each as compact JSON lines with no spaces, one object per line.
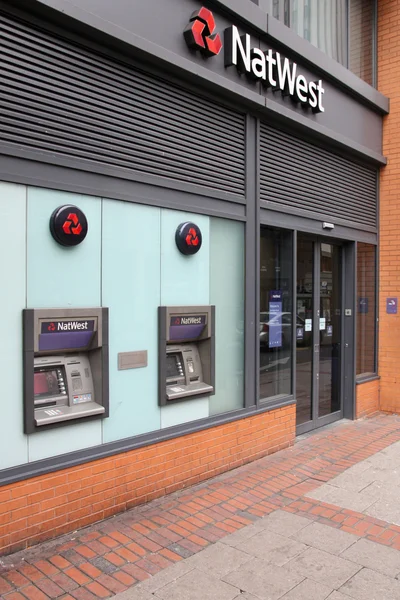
{"x":132,"y":360}
{"x":347,"y":312}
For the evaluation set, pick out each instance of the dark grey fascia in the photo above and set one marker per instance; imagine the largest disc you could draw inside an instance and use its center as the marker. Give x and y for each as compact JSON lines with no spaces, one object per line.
{"x":245,"y":11}
{"x":307,"y":53}
{"x":72,"y":459}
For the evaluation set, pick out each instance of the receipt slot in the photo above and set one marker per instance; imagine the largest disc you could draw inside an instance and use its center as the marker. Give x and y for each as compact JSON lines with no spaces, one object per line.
{"x":186,"y":352}
{"x":65,"y":366}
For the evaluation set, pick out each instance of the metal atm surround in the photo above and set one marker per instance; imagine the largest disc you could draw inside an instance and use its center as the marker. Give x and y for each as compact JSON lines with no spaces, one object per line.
{"x":201,"y":346}
{"x":92,"y":359}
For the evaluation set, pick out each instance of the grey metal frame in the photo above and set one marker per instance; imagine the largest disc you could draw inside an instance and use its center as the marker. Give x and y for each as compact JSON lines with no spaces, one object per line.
{"x":317,"y":421}
{"x":30,"y":317}
{"x":207,"y":342}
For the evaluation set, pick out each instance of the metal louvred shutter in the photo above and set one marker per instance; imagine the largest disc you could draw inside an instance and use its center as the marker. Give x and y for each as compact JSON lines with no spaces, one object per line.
{"x":61,"y":99}
{"x":294,"y":174}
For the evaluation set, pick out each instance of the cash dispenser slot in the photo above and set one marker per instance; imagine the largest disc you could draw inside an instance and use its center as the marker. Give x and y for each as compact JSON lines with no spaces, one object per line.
{"x":66,"y":366}
{"x":186,"y":353}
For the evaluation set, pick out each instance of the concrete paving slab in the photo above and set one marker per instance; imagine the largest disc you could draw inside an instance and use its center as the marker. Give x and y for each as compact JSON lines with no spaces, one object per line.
{"x":358,"y":502}
{"x":326,"y":538}
{"x":135,"y":594}
{"x":272,"y":547}
{"x":323,"y":567}
{"x":219,"y":559}
{"x":197,"y":585}
{"x":374,"y":556}
{"x":246,"y":596}
{"x":164,"y":577}
{"x":266,"y":581}
{"x":338,"y":596}
{"x":284,"y":523}
{"x":370,"y":585}
{"x":308,"y":590}
{"x":241,"y":535}
{"x":386,"y":510}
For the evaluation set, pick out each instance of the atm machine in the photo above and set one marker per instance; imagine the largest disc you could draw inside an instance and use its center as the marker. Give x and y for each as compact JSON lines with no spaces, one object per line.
{"x":65,"y":366}
{"x":186,"y":352}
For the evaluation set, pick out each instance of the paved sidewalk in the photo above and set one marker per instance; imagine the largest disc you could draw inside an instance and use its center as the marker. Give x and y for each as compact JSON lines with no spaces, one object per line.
{"x":282,"y":556}
{"x":263,"y":504}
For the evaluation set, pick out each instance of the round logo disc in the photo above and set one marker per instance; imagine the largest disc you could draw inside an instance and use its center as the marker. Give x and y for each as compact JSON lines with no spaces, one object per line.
{"x":68,"y":225}
{"x":188,"y":238}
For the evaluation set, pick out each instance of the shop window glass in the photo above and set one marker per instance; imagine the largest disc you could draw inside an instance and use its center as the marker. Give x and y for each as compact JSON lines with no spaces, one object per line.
{"x":323,"y":23}
{"x":227,"y":293}
{"x":366,"y":309}
{"x":361,"y":48}
{"x":275,"y":326}
{"x":343,"y":29}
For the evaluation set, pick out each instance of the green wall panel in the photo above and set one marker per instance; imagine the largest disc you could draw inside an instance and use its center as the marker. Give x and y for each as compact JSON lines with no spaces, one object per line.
{"x":131,"y":290}
{"x":62,"y":277}
{"x":13,"y":442}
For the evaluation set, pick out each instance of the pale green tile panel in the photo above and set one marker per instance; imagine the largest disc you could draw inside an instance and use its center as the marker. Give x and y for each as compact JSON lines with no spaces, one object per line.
{"x":131,"y":290}
{"x":227,"y":293}
{"x":13,"y":442}
{"x":63,"y":277}
{"x":185,"y":280}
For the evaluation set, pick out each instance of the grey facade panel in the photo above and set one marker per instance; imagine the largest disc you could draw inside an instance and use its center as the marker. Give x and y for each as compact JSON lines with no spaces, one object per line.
{"x":301,"y":176}
{"x":64,"y":100}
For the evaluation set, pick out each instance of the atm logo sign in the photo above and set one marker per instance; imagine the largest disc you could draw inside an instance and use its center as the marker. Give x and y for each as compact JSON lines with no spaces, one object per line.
{"x":199,"y":33}
{"x":192,"y":320}
{"x":67,"y":326}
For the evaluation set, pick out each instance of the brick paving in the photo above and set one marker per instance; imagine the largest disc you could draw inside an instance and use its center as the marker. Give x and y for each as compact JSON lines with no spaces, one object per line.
{"x":111,"y":556}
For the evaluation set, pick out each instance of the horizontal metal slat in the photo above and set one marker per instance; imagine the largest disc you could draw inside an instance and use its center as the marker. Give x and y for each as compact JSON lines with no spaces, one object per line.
{"x":65,"y":99}
{"x":297,"y":174}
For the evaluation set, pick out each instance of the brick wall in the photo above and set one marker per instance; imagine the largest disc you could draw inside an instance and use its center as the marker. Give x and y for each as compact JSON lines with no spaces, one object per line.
{"x":50,"y":505}
{"x":367,"y":399}
{"x":389,"y":268}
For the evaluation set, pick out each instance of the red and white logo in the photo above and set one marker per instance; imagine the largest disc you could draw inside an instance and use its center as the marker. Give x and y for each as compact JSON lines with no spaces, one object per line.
{"x":199,"y":33}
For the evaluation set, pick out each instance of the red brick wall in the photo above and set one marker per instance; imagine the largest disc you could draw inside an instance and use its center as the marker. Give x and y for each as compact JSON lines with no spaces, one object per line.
{"x":54,"y":504}
{"x":367,"y":399}
{"x":389,"y":268}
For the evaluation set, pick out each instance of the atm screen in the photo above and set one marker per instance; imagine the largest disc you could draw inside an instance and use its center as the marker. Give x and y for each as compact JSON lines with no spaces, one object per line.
{"x":45,"y":383}
{"x":173,"y":362}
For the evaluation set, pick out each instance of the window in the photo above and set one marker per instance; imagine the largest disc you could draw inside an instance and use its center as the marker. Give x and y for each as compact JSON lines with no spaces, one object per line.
{"x":275,"y":326}
{"x":343,"y":29}
{"x":366,"y":309}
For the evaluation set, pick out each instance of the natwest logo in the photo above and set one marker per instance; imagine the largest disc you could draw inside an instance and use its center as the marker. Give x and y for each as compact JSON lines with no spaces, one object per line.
{"x":199,"y":33}
{"x":271,"y":68}
{"x":189,"y":320}
{"x":72,"y":325}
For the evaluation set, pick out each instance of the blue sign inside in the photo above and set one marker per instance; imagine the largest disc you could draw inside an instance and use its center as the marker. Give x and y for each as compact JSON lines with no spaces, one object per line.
{"x":275,"y":319}
{"x":300,"y":333}
{"x":329,"y":331}
{"x":363,"y":306}
{"x":391,"y":306}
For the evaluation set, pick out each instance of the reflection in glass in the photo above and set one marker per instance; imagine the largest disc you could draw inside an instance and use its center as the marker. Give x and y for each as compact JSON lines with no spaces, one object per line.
{"x":304,"y":327}
{"x":275,"y":328}
{"x":324,"y":24}
{"x":366,"y":286}
{"x":330,"y":329}
{"x":361,"y":48}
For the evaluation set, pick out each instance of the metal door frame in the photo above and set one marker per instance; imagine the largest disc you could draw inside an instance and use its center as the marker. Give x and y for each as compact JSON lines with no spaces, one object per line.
{"x":317,"y":421}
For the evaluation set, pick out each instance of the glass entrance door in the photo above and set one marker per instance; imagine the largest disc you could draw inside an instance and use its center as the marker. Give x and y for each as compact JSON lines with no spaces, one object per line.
{"x":318,"y":332}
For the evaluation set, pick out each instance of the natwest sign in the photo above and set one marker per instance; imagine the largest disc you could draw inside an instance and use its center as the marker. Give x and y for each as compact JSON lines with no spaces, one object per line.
{"x":272,"y":69}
